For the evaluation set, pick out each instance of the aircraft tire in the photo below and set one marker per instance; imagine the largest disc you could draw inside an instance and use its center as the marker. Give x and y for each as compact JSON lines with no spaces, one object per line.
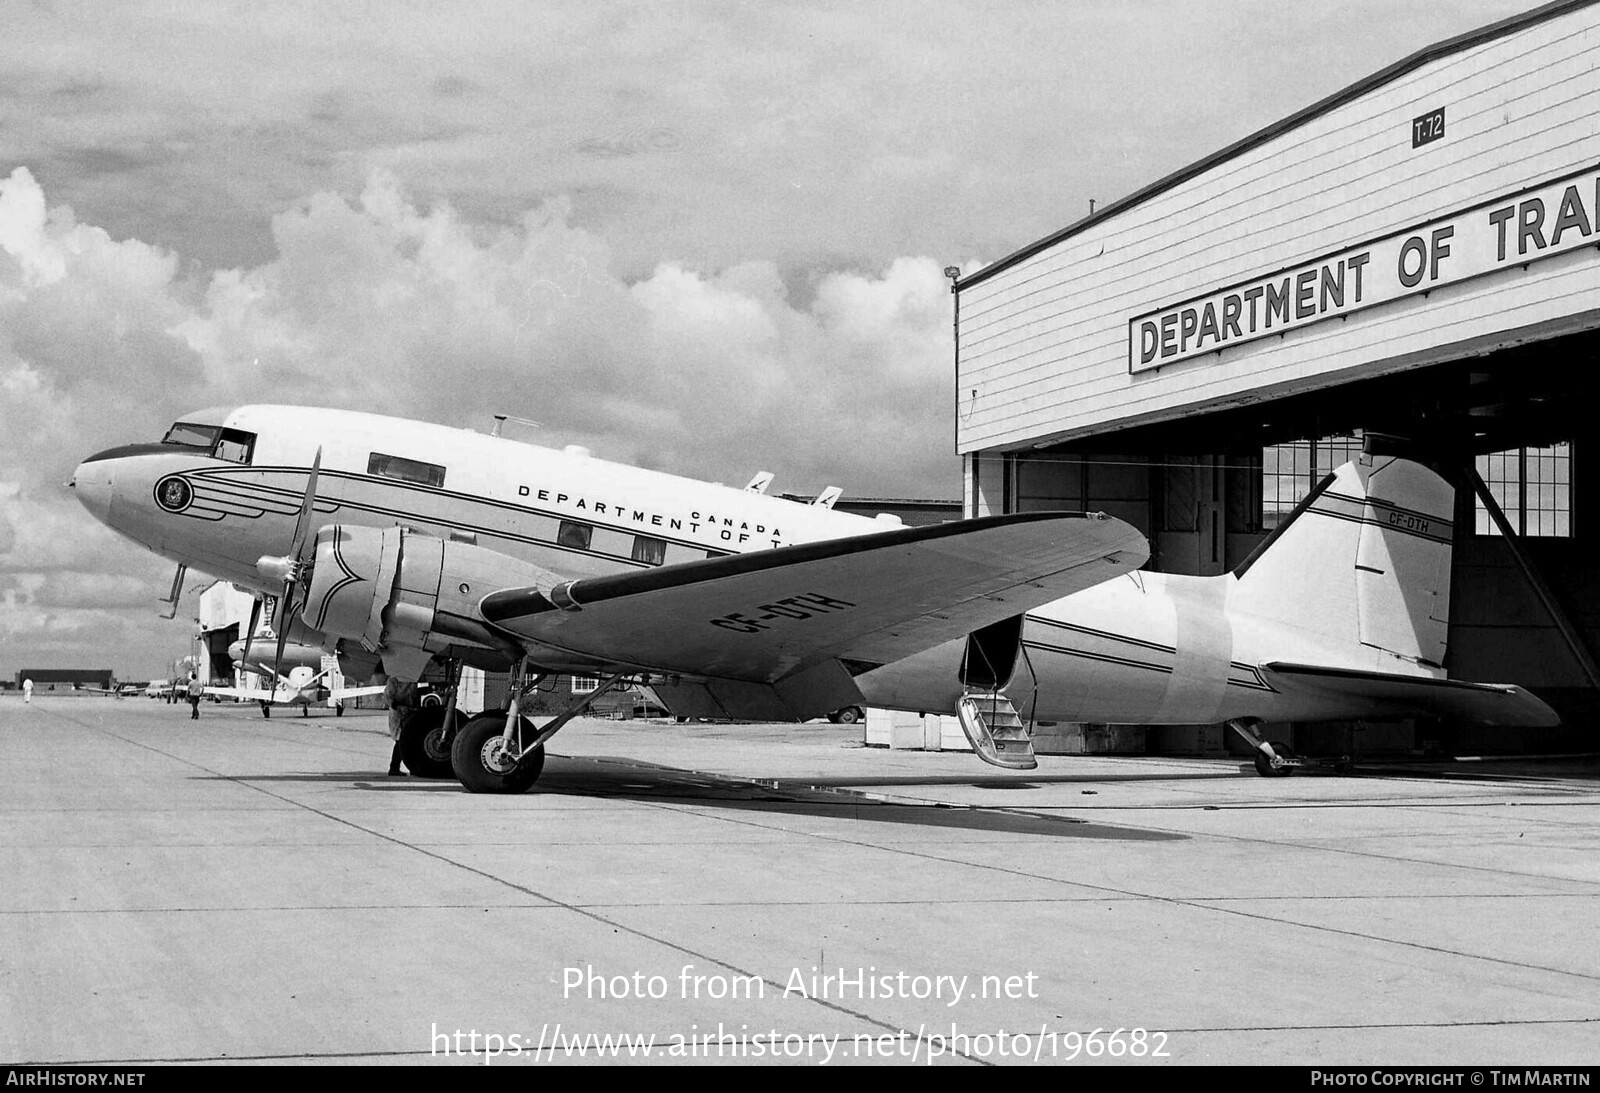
{"x":424,"y":745}
{"x":473,"y":757}
{"x":1264,"y":765}
{"x":849,"y":715}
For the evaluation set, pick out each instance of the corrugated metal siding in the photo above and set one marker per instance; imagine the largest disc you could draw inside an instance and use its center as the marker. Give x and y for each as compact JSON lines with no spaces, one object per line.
{"x":1044,"y":343}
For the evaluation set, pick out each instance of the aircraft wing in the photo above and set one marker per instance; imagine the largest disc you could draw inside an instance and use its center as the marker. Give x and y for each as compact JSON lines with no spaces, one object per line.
{"x":247,"y":694}
{"x":771,"y":615}
{"x":343,"y":693}
{"x":1482,"y":703}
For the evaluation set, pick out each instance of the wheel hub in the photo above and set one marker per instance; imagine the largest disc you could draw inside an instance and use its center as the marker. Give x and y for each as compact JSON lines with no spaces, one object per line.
{"x":437,"y":745}
{"x":496,"y":757}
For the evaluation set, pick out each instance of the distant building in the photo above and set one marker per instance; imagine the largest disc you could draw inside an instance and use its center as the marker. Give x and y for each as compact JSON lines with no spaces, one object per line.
{"x":46,"y":680}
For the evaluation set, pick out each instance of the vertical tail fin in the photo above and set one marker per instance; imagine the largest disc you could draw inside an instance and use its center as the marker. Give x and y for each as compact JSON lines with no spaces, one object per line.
{"x":1364,"y":560}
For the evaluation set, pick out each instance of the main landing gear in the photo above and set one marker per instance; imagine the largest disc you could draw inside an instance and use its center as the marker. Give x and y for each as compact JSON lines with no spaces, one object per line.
{"x":425,"y":741}
{"x":487,"y":761}
{"x":502,"y":751}
{"x":428,"y":732}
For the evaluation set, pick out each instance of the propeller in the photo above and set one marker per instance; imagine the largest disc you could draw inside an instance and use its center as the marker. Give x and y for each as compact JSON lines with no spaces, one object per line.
{"x":292,"y":567}
{"x":250,"y":634}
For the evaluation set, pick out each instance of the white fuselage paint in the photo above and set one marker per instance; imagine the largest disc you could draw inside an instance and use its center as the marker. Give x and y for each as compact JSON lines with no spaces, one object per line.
{"x":1145,"y":648}
{"x":1140,"y":649}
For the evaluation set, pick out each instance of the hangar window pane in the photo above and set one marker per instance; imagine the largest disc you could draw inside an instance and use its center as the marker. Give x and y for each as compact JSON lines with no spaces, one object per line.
{"x":585,"y":685}
{"x":1333,"y":452}
{"x":1532,"y":486}
{"x":1243,"y":490}
{"x":1288,"y":471}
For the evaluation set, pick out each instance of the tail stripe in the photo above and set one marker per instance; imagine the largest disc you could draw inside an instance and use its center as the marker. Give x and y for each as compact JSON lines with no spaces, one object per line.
{"x":1381,"y":514}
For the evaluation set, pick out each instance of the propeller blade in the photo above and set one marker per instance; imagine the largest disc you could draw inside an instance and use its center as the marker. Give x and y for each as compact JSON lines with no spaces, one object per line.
{"x":283,"y":640}
{"x":302,"y":523}
{"x":250,"y":635}
{"x":288,"y":610}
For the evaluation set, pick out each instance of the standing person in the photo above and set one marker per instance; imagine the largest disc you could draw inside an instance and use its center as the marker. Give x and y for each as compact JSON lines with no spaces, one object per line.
{"x":27,"y":691}
{"x":402,"y":698}
{"x":196,"y":690}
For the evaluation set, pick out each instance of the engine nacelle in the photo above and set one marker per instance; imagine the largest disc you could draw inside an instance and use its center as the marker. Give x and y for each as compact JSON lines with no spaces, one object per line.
{"x":404,"y":595}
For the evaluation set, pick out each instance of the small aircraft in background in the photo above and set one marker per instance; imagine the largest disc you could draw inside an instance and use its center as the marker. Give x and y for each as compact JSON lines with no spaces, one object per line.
{"x":305,"y":675}
{"x":421,"y":546}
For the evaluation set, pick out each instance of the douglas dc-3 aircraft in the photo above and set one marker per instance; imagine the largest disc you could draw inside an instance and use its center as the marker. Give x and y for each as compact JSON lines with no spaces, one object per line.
{"x":399,"y":544}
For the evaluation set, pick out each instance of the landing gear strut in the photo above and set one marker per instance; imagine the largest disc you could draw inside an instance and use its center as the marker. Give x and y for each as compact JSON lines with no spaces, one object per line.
{"x":487,"y":763}
{"x":427,"y":734}
{"x":1273,"y":758}
{"x":501,"y":751}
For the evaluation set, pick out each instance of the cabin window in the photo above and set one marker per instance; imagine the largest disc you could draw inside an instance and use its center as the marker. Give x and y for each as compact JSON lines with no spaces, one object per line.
{"x":648,"y":550}
{"x":406,"y":470}
{"x":231,"y":444}
{"x":574,"y":535}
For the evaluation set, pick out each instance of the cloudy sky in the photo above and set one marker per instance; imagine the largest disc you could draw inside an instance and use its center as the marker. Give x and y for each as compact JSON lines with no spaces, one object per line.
{"x":705,"y":237}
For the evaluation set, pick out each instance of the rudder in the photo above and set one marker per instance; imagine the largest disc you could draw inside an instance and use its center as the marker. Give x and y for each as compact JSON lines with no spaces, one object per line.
{"x":1364,"y":559}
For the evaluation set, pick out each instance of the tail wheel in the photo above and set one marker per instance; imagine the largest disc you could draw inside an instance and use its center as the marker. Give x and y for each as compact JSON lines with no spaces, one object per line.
{"x":425,"y":742}
{"x":482,"y":762}
{"x":1264,"y":765}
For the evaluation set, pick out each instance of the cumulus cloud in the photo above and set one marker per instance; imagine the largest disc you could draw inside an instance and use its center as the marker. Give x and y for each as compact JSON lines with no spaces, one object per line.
{"x":372,"y":301}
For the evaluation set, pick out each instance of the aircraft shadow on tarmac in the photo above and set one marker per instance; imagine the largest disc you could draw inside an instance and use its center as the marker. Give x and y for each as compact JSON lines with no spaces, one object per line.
{"x":626,"y":779}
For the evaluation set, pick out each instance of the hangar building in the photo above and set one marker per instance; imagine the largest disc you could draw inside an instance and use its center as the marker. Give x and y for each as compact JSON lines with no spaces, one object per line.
{"x":1416,"y":255}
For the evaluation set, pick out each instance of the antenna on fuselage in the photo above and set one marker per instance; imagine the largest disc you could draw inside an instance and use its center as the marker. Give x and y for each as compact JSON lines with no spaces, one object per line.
{"x":501,"y":419}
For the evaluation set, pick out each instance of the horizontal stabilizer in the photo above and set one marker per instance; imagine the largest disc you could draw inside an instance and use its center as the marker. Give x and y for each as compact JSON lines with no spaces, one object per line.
{"x":868,"y":599}
{"x":1481,"y":703}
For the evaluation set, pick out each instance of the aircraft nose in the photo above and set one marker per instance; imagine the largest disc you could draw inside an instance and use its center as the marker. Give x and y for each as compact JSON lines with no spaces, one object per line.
{"x":94,"y":483}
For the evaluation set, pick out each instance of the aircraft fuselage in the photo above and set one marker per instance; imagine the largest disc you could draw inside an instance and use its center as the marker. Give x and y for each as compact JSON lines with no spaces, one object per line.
{"x":1144,"y":648}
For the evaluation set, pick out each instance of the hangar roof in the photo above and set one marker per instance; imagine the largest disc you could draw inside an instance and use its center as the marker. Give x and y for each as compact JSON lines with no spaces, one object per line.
{"x":1356,"y":90}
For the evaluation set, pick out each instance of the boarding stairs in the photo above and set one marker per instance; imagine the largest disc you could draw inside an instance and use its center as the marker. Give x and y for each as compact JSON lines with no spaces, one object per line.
{"x":996,"y":732}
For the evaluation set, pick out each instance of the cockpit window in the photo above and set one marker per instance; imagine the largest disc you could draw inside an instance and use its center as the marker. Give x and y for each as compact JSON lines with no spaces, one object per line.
{"x":235,"y":446}
{"x":188,"y":435}
{"x":406,"y":470}
{"x":231,"y":444}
